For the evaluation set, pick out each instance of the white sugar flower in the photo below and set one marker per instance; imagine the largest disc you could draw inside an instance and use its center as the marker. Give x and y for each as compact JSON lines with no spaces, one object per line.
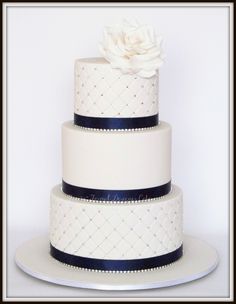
{"x":133,"y":48}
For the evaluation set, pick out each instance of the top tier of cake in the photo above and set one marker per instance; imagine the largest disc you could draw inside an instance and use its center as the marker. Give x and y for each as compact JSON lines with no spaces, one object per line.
{"x":104,"y":92}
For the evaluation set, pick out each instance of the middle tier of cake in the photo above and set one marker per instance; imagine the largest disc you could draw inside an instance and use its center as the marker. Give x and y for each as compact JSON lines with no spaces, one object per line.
{"x":116,"y":165}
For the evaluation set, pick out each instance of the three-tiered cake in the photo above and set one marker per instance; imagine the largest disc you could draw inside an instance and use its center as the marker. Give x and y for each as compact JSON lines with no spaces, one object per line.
{"x":116,"y":209}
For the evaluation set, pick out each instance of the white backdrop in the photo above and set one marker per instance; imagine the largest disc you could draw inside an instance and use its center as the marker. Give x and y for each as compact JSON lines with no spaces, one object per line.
{"x":42,"y":46}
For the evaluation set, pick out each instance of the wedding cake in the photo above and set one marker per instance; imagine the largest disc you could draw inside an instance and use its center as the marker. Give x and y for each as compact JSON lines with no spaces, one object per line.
{"x":116,"y":209}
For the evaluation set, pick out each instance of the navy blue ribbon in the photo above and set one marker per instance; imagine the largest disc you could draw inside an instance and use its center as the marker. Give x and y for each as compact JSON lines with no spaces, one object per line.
{"x":116,"y":195}
{"x":116,"y":265}
{"x":115,"y":123}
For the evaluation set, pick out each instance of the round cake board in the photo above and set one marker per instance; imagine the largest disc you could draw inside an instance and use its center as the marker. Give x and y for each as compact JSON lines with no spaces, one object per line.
{"x":198,"y":260}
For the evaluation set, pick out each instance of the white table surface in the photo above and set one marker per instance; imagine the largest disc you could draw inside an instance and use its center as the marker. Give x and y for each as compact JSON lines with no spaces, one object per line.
{"x":20,"y":285}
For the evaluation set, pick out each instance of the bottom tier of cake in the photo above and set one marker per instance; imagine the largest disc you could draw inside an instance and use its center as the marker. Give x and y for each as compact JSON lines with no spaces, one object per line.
{"x":116,"y":236}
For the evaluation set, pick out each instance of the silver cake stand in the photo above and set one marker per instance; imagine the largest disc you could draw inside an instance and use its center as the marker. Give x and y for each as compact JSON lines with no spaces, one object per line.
{"x":198,"y":260}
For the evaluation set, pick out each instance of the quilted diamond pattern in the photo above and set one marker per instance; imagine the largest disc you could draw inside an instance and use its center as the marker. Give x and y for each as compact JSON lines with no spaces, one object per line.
{"x":101,"y":91}
{"x":116,"y":231}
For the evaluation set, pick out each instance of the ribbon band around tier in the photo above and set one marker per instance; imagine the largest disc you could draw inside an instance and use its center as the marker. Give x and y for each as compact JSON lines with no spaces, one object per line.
{"x":116,"y":265}
{"x":116,"y":195}
{"x":114,"y":123}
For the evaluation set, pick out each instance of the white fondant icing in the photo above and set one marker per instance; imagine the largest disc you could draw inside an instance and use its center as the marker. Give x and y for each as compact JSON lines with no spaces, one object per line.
{"x":116,"y":160}
{"x":101,"y":91}
{"x":116,"y":231}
